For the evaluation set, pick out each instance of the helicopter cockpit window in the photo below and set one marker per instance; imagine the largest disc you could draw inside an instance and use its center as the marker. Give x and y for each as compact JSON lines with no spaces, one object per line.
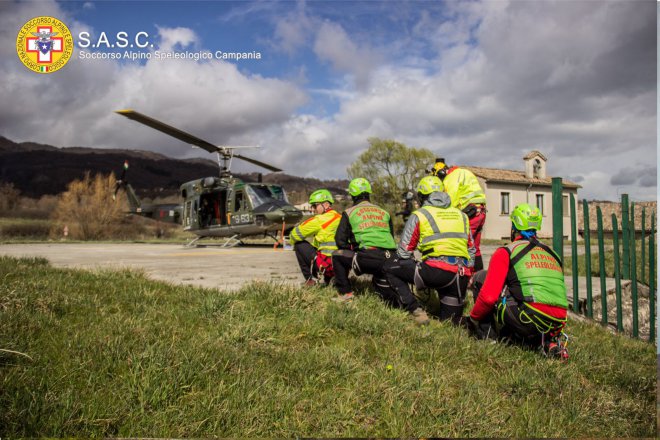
{"x":259,"y":194}
{"x":278,"y":193}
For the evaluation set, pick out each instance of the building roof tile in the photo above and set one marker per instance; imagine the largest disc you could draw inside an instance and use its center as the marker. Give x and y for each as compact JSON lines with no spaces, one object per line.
{"x":532,"y":154}
{"x":510,"y":176}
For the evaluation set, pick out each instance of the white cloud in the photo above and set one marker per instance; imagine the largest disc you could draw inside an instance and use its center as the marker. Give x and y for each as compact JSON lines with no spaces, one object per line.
{"x":528,"y":81}
{"x":74,"y":107}
{"x":575,"y":80}
{"x":332,"y":44}
{"x":176,"y":38}
{"x":292,"y":31}
{"x":14,"y":15}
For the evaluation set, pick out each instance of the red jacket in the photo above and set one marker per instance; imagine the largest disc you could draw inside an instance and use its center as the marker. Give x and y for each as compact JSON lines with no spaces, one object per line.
{"x":498,"y":269}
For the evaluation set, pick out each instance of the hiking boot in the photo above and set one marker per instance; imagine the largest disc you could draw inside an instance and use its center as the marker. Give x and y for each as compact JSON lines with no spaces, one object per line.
{"x":310,"y":283}
{"x":345,"y":298}
{"x":420,"y":317}
{"x":557,"y":351}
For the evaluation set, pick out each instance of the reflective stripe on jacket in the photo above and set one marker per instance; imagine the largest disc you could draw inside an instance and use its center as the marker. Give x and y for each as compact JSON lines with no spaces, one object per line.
{"x":463,"y":188}
{"x":322,"y":227}
{"x":442,"y":232}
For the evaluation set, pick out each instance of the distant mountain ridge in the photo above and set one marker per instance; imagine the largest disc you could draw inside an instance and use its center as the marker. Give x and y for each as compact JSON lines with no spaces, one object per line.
{"x":38,"y":169}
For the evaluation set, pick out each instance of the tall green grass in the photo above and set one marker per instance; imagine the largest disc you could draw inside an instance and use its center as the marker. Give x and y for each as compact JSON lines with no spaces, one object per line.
{"x":609,"y":262}
{"x":115,"y":354}
{"x":21,"y":229}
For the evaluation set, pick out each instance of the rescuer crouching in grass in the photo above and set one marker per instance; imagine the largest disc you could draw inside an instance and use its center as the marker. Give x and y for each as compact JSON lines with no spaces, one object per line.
{"x":522,"y":296}
{"x":365,"y":242}
{"x":315,"y":259}
{"x":442,"y":235}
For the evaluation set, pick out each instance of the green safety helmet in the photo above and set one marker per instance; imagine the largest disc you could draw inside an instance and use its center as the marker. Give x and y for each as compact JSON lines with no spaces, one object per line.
{"x":525,"y":217}
{"x":359,"y":186}
{"x":320,"y":196}
{"x":430,"y":184}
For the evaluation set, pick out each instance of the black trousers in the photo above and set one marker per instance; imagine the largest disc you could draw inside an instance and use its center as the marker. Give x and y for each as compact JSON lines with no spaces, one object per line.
{"x":505,"y":321}
{"x":305,"y":254}
{"x":364,"y":261}
{"x":478,"y":263}
{"x":450,"y":290}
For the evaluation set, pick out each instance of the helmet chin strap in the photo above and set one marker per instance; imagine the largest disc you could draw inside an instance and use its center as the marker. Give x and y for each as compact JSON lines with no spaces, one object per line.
{"x":528,"y":234}
{"x":524,"y":234}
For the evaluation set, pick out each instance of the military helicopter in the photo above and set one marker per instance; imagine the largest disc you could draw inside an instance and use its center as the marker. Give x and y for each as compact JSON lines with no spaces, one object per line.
{"x":224,"y":206}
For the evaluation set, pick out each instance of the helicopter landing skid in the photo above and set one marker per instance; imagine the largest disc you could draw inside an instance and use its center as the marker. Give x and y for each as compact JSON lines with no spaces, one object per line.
{"x":192,"y":242}
{"x":232,"y":241}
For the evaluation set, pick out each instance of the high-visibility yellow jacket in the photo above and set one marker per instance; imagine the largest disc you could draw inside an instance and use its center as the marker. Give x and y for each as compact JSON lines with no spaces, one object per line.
{"x":322,"y":227}
{"x":442,"y":232}
{"x":463,"y":188}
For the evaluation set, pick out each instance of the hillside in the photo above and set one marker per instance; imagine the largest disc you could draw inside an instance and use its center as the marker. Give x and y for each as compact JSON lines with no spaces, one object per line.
{"x":113,"y":354}
{"x":37,"y":170}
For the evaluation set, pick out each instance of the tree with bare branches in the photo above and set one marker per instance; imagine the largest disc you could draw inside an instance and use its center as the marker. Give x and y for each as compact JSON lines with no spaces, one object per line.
{"x":87,"y":209}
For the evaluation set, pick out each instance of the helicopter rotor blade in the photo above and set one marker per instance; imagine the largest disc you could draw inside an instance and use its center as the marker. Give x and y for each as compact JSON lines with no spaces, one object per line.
{"x":168,"y":129}
{"x":256,"y":162}
{"x":188,"y":138}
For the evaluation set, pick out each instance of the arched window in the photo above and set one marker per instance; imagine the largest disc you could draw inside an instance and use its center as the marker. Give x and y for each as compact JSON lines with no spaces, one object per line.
{"x":537,"y":169}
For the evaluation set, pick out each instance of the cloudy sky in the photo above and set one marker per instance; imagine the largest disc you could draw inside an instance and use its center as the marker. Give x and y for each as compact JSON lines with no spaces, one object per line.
{"x":479,"y":82}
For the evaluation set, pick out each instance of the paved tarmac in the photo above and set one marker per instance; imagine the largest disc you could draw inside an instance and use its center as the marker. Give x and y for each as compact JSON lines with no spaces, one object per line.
{"x":225,"y":268}
{"x":211,"y":266}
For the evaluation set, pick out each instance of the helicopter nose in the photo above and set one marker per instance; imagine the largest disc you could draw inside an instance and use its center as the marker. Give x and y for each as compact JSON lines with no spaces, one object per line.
{"x":279,"y":215}
{"x":293,"y":216}
{"x":276,"y":215}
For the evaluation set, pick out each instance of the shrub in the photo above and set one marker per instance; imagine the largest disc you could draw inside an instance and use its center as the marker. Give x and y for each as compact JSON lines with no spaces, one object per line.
{"x":9,"y":197}
{"x":35,"y":209}
{"x":25,"y":230}
{"x":87,"y":209}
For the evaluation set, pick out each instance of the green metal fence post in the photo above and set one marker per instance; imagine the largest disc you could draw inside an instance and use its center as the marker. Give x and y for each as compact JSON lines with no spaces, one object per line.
{"x":642,"y":276}
{"x":631,"y":237}
{"x":625,"y":227}
{"x":652,"y":295}
{"x":587,"y":256}
{"x":633,"y":275}
{"x":633,"y":270}
{"x":601,"y":264}
{"x":557,"y":218}
{"x":617,"y":274}
{"x":574,"y":254}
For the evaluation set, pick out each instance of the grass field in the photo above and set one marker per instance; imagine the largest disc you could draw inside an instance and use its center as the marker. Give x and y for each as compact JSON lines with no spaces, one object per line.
{"x":115,"y":354}
{"x":609,"y":263}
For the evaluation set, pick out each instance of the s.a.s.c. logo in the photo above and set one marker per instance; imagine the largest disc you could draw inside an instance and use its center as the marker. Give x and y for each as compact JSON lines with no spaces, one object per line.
{"x":44,"y":44}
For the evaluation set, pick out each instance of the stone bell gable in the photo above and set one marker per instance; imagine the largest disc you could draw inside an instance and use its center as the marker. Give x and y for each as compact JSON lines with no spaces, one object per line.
{"x":535,"y":165}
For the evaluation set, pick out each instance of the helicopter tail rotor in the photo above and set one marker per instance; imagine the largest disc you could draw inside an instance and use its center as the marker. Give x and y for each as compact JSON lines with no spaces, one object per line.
{"x":133,"y":200}
{"x":120,"y":182}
